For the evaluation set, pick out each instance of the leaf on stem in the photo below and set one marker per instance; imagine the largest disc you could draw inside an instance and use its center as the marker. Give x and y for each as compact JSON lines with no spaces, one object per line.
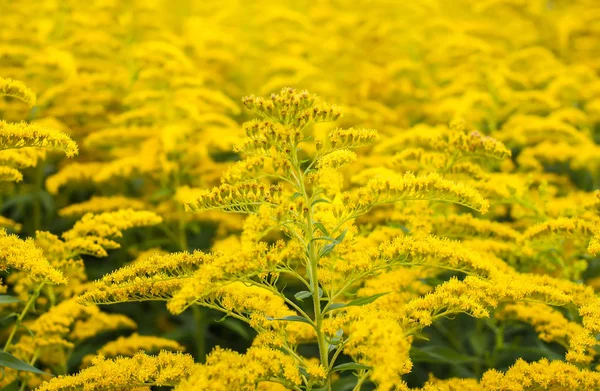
{"x":9,"y":361}
{"x":358,"y":302}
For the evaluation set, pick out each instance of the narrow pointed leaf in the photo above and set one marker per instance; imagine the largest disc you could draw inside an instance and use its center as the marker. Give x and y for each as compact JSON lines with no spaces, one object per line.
{"x":350,"y":366}
{"x":7,"y":299}
{"x":302,"y":295}
{"x":321,"y":228}
{"x":291,"y":318}
{"x":9,"y":361}
{"x":357,"y":302}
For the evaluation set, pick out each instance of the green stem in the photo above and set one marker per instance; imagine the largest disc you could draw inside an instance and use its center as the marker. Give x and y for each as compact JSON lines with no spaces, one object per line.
{"x":361,"y":380}
{"x":312,"y":264}
{"x":335,"y":355}
{"x":200,"y":322}
{"x":22,"y":315}
{"x":32,"y":363}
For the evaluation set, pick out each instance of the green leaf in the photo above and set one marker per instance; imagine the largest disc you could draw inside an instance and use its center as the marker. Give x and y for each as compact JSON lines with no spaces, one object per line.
{"x":341,"y":237}
{"x":350,"y":366}
{"x":327,"y":249}
{"x":357,"y":302}
{"x":321,"y":228}
{"x":439,"y":355}
{"x":7,"y":299}
{"x":404,"y":229}
{"x":335,"y":306}
{"x":9,"y":361}
{"x":302,"y":295}
{"x":303,"y":372}
{"x":292,"y":318}
{"x":324,"y":238}
{"x":319,"y":200}
{"x":295,"y":195}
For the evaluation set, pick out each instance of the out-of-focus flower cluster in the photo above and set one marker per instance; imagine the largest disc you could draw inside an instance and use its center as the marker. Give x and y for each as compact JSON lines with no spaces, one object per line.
{"x":454,"y":181}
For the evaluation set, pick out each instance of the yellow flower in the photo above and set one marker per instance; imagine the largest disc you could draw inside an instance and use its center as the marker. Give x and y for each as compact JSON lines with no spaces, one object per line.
{"x":131,"y":345}
{"x":16,"y":89}
{"x":9,"y":223}
{"x":10,"y":174}
{"x":377,"y":340}
{"x":22,"y":135}
{"x":226,"y":370}
{"x":164,"y":369}
{"x":72,"y":174}
{"x":541,"y":374}
{"x":93,"y":232}
{"x":337,"y":158}
{"x":101,"y":204}
{"x":432,"y":187}
{"x":24,"y":255}
{"x":442,"y":253}
{"x":351,"y":138}
{"x":244,"y":197}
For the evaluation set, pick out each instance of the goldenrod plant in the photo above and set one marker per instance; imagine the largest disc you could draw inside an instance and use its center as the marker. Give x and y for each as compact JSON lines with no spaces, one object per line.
{"x":299,"y":195}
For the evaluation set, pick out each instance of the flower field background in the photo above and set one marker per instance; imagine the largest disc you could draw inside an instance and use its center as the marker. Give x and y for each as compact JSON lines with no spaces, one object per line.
{"x":306,"y":195}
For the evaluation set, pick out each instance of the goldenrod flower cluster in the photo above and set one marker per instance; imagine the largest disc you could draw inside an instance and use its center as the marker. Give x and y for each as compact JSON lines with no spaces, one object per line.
{"x":296,"y":195}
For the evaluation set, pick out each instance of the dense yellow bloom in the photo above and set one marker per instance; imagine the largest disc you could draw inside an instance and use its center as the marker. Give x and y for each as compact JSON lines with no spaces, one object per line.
{"x":549,"y":375}
{"x":561,"y":226}
{"x":328,"y":256}
{"x":218,"y":272}
{"x":164,"y":369}
{"x":21,"y":158}
{"x":155,"y":277}
{"x":101,"y":204}
{"x":455,"y":142}
{"x":410,"y":187}
{"x":227,"y":370}
{"x":240,"y":197}
{"x":69,"y":322}
{"x":20,"y":135}
{"x":17,"y":89}
{"x":93,"y":232}
{"x":131,"y":345}
{"x":10,"y":174}
{"x":290,"y":106}
{"x":337,"y":158}
{"x":98,"y":323}
{"x":24,"y":255}
{"x":72,"y":173}
{"x":106,"y":138}
{"x":11,"y":224}
{"x":442,"y":253}
{"x":243,"y":169}
{"x":377,"y":340}
{"x":465,"y":225}
{"x":452,"y":384}
{"x":238,"y":298}
{"x":351,"y":138}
